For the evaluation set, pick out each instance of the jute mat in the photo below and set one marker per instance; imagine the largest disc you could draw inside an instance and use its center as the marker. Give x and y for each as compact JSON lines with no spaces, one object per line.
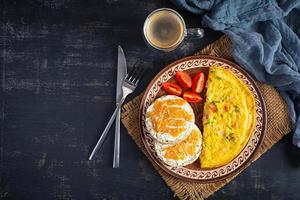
{"x":278,"y":125}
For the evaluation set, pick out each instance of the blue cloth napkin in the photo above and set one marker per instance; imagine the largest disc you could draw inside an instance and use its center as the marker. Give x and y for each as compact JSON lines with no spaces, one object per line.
{"x":265,"y":37}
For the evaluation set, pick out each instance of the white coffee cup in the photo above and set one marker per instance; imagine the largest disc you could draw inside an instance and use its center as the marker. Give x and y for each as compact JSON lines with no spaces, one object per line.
{"x":164,"y":29}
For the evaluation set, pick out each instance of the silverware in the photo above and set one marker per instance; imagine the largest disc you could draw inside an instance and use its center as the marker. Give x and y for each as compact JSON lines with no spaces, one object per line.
{"x":122,"y":71}
{"x":129,"y":84}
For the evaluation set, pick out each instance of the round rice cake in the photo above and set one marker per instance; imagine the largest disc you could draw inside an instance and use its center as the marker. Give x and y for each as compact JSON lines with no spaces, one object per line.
{"x":182,"y":153}
{"x":169,"y":119}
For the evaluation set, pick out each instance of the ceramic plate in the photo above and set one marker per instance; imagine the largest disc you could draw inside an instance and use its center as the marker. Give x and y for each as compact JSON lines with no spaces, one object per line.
{"x":193,"y":172}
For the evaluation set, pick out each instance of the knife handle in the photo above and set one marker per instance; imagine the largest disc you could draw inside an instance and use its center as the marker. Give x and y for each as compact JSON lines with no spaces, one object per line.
{"x":116,"y":160}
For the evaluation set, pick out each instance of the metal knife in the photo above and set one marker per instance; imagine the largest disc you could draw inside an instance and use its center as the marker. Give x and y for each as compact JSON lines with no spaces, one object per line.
{"x":122,"y":71}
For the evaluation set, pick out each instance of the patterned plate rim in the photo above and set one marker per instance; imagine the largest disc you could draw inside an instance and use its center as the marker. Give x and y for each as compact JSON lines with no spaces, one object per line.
{"x":244,"y":157}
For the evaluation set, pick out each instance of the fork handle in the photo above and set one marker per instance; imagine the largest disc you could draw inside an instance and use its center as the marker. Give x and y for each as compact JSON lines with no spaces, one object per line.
{"x":104,"y":134}
{"x":116,"y":159}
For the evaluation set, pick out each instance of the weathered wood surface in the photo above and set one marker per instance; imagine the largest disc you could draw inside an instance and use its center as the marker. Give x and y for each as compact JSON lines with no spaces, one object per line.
{"x":58,"y":74}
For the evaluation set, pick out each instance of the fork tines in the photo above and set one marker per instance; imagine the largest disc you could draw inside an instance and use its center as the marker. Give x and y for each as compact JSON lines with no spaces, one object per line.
{"x":135,"y":75}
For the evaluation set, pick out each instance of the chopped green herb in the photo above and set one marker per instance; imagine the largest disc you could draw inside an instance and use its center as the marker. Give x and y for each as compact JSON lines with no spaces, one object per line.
{"x":212,"y":121}
{"x":230,"y":128}
{"x":236,"y":108}
{"x":209,"y":122}
{"x":230,"y":136}
{"x":223,"y":98}
{"x":218,"y":78}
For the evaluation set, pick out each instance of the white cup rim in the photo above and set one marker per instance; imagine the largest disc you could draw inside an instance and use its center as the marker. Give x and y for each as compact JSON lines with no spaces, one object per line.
{"x":177,"y":43}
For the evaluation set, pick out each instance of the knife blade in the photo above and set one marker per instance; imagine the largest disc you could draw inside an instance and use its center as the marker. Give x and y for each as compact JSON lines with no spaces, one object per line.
{"x":121,"y":73}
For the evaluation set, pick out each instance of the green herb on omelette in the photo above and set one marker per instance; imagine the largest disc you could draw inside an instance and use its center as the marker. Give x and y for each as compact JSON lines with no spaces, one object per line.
{"x":230,"y":136}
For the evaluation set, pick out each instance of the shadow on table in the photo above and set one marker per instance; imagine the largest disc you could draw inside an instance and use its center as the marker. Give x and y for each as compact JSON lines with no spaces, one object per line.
{"x":292,"y":152}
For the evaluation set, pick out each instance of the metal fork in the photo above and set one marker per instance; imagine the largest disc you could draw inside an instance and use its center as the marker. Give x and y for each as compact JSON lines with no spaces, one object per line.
{"x":129,"y":84}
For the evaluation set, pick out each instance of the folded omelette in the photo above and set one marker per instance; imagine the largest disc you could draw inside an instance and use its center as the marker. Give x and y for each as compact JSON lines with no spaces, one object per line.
{"x":228,"y":118}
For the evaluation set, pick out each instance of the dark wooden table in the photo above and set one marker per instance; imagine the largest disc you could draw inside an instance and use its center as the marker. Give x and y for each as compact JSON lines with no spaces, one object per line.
{"x":58,"y":74}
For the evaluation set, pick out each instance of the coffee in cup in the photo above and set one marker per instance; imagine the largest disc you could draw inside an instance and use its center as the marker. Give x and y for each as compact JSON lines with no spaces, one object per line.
{"x":164,"y":29}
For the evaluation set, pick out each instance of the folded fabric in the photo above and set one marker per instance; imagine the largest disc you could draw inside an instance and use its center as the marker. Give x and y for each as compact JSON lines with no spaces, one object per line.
{"x":265,"y":37}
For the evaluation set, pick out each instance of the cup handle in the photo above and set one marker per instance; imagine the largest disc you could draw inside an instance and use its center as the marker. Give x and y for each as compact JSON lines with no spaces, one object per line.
{"x":195,"y":32}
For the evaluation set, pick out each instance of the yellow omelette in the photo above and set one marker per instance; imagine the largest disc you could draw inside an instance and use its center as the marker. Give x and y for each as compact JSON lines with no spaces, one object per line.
{"x":228,"y":118}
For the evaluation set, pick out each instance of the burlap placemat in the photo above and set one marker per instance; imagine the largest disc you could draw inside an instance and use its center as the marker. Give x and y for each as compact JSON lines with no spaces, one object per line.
{"x":278,"y":125}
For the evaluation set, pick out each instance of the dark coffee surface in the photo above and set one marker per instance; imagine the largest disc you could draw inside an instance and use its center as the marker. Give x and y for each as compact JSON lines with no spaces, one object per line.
{"x":165,"y":29}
